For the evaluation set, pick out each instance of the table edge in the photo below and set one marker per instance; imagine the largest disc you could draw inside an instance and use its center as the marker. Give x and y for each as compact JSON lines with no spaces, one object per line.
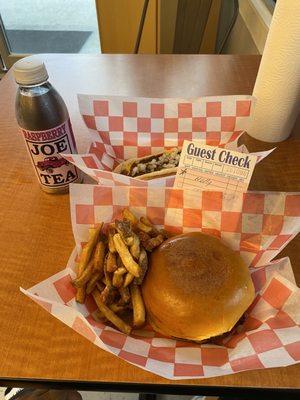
{"x":178,"y":389}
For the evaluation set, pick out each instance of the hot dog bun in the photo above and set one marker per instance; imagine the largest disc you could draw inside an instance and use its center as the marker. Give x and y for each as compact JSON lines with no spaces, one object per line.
{"x":150,"y":167}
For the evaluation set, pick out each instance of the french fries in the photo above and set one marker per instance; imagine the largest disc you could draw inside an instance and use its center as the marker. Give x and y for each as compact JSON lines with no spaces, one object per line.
{"x":118,"y":277}
{"x":98,"y":316}
{"x":119,"y":262}
{"x":107,"y":278}
{"x":121,"y":271}
{"x":117,"y":280}
{"x":154,"y":242}
{"x":127,"y":215}
{"x":100,"y":286}
{"x":98,"y":257}
{"x":163,"y":233}
{"x":128,"y":279}
{"x":139,"y":315}
{"x":80,"y":292}
{"x":80,"y":295}
{"x":143,"y":262}
{"x":148,"y":242}
{"x":145,"y":221}
{"x":117,"y":308}
{"x":88,"y":249}
{"x":111,"y":263}
{"x":111,"y":246}
{"x":124,"y":229}
{"x":85,"y":276}
{"x":125,"y":295}
{"x":110,"y":315}
{"x":108,"y":295}
{"x":135,"y":247}
{"x":143,"y":227}
{"x":93,"y":282}
{"x":126,"y":257}
{"x":111,"y":267}
{"x":85,"y":258}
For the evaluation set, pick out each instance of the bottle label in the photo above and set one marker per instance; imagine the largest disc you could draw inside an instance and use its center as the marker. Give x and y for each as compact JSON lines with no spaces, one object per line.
{"x":52,"y":170}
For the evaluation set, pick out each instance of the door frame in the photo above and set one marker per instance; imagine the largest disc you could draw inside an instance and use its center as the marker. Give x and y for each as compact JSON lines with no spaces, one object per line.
{"x":7,"y":58}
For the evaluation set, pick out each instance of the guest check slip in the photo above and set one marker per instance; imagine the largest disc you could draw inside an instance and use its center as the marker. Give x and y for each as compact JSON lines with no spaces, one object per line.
{"x":204,"y":167}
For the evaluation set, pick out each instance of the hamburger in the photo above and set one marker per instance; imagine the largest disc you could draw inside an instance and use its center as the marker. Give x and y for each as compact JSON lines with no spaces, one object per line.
{"x":196,"y":288}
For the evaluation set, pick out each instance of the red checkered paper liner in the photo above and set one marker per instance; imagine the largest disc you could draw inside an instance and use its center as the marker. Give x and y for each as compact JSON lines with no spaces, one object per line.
{"x":122,"y":127}
{"x":90,"y":165}
{"x":257,"y":224}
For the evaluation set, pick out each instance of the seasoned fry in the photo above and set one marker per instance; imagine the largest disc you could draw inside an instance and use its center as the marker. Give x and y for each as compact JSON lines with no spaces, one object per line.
{"x":125,"y":294}
{"x":154,"y":242}
{"x":144,"y":238}
{"x":118,"y":277}
{"x":119,"y":262}
{"x":135,"y":247}
{"x":139,"y":315}
{"x":111,"y":232}
{"x":106,"y":282}
{"x":110,"y":315}
{"x":117,"y":308}
{"x":146,"y":226}
{"x":121,"y":271}
{"x":93,"y":282}
{"x":100,"y":286}
{"x":109,"y":294}
{"x":164,"y":233}
{"x":80,"y":292}
{"x":145,"y":221}
{"x":128,"y":279}
{"x":111,"y":263}
{"x":124,"y":229}
{"x":84,"y":277}
{"x":143,"y":262}
{"x":80,"y":295}
{"x":107,"y":278}
{"x":143,"y":227}
{"x":85,"y":258}
{"x":88,"y":248}
{"x":98,"y":316}
{"x":105,"y":294}
{"x":117,"y":280}
{"x":150,"y":243}
{"x":98,"y":256}
{"x":126,"y":257}
{"x":127,"y":215}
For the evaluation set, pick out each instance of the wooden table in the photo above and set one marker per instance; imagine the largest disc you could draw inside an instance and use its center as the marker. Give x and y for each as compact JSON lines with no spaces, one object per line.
{"x":36,"y":237}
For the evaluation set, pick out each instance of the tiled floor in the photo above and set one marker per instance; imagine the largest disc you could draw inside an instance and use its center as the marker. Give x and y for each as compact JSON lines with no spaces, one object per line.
{"x":115,"y":396}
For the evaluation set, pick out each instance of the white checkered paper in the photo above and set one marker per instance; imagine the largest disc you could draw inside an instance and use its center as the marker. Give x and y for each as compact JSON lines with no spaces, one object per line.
{"x":256,"y":224}
{"x":124,"y":127}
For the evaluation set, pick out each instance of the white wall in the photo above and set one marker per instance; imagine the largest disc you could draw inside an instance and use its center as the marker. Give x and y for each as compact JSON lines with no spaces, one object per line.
{"x":251,"y":28}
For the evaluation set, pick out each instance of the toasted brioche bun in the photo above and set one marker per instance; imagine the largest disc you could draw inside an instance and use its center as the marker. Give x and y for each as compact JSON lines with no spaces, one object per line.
{"x":196,"y":287}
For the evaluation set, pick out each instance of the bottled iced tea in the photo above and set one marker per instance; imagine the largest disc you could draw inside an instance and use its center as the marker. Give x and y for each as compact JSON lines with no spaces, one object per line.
{"x":44,"y":122}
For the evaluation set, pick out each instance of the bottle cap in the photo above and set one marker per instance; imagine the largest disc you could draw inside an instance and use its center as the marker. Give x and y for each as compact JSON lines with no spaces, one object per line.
{"x":30,"y":71}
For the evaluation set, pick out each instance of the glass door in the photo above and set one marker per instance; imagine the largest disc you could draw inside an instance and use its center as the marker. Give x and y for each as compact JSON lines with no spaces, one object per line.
{"x":46,"y":26}
{"x":7,"y":58}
